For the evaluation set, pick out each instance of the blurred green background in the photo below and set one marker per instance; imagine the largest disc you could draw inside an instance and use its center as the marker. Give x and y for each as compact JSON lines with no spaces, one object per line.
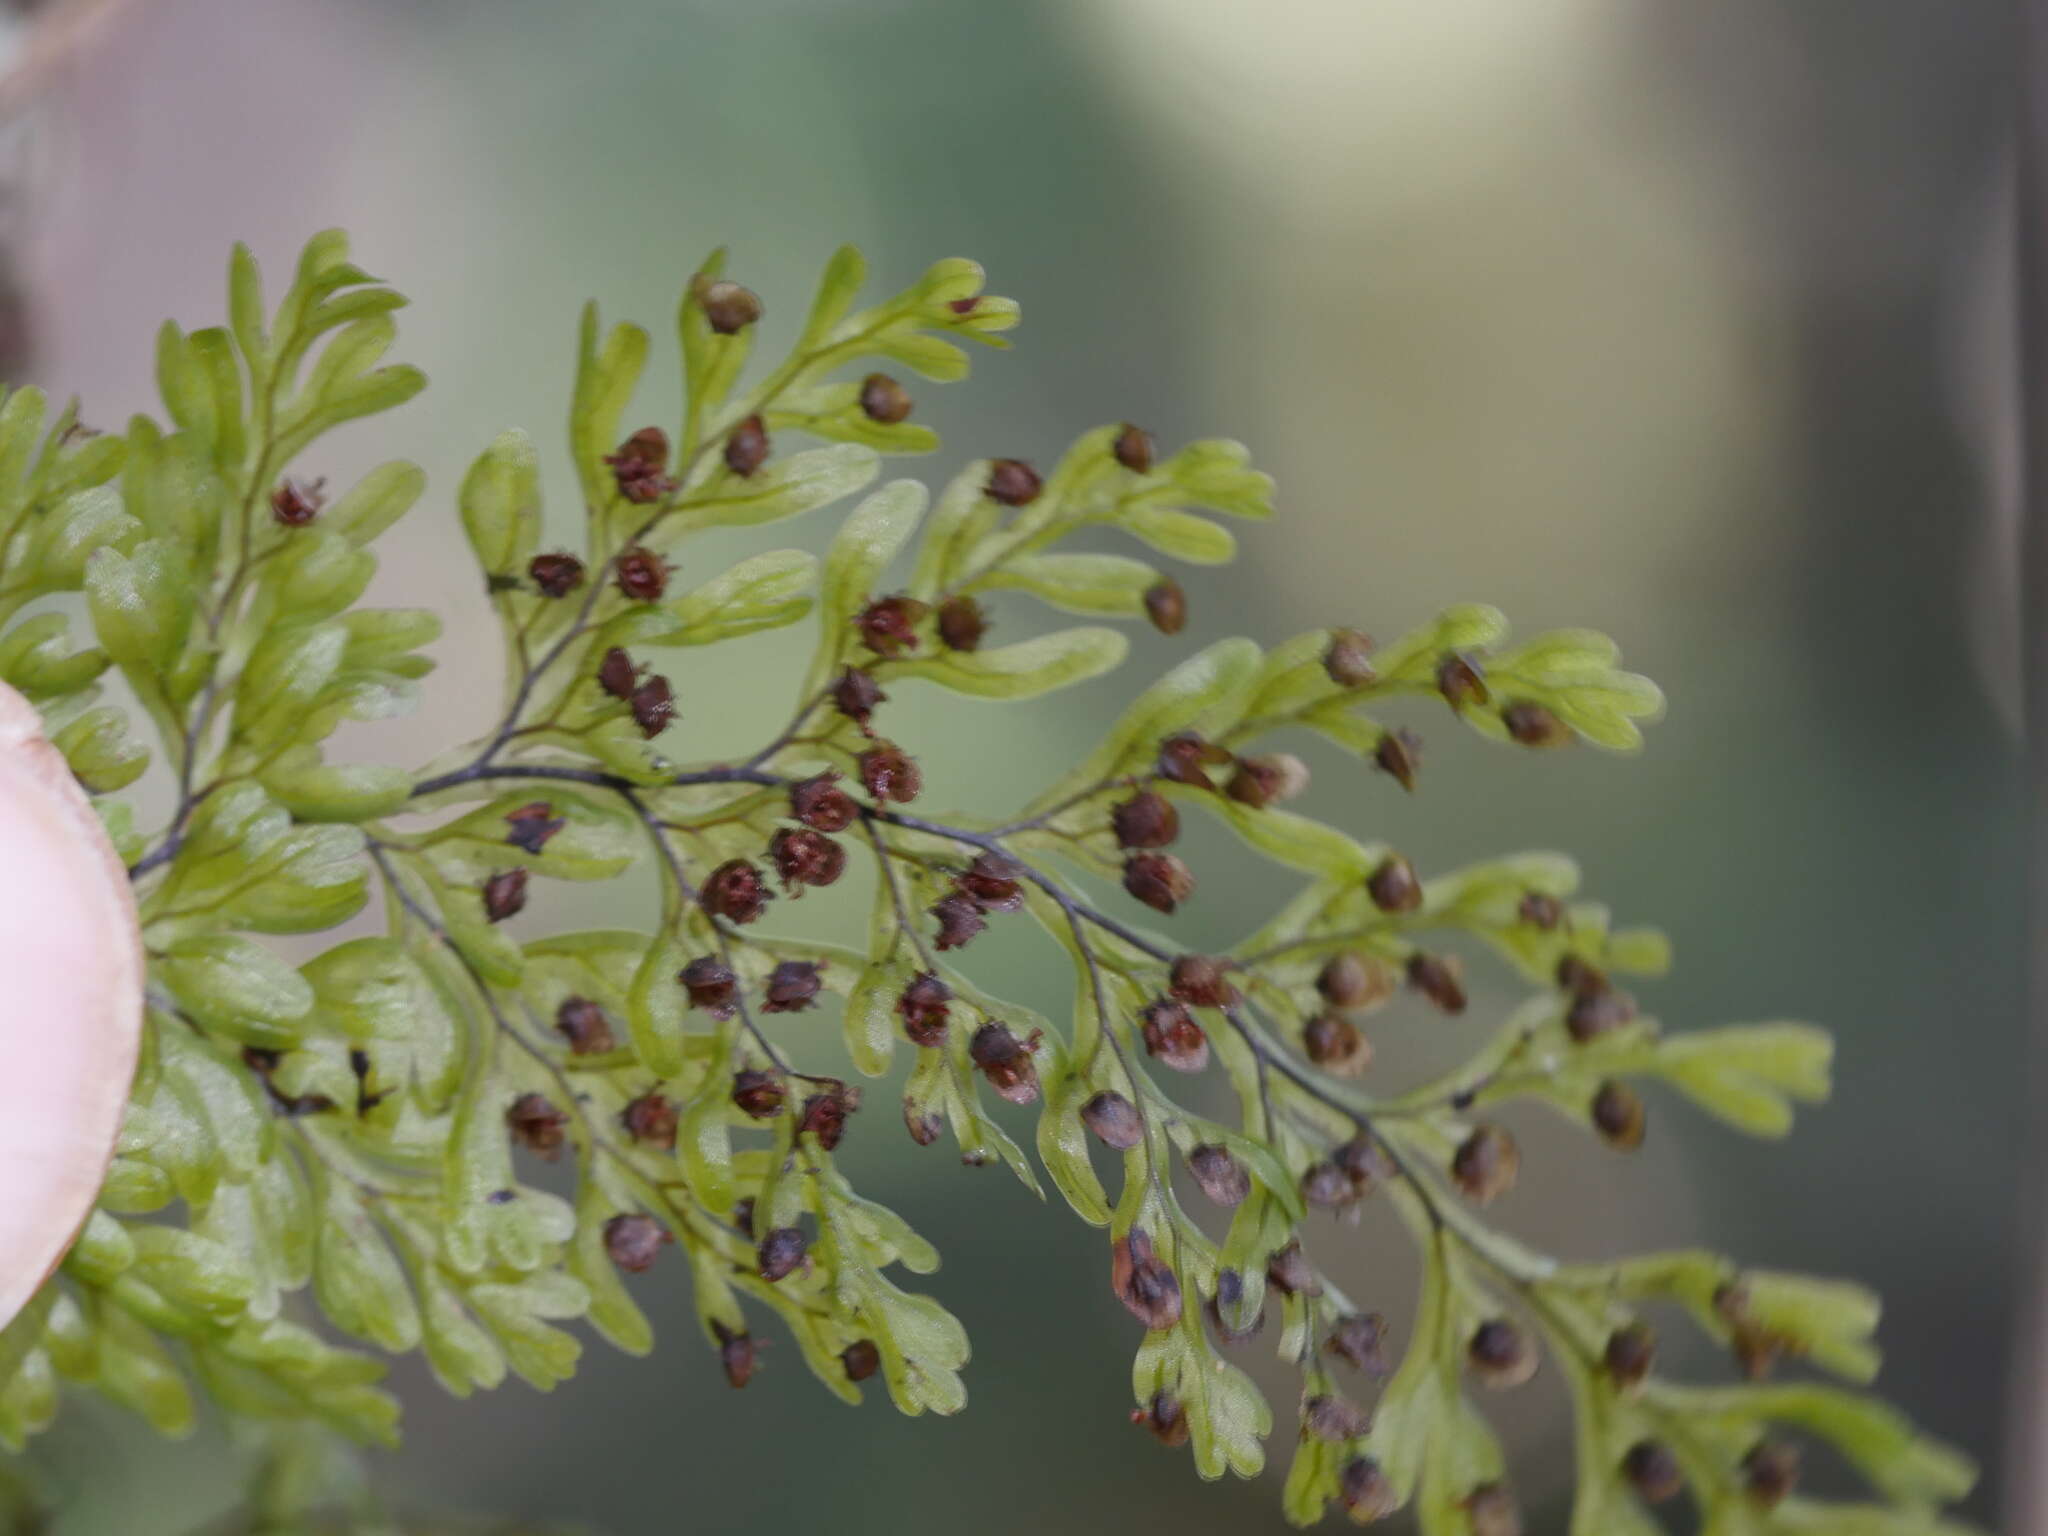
{"x":1676,"y":320}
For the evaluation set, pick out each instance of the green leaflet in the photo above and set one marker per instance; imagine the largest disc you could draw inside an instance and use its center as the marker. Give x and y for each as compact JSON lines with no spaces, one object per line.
{"x":800,"y":483}
{"x":500,"y":503}
{"x":375,"y":502}
{"x":1111,"y":585}
{"x":1413,"y":657}
{"x":1182,"y":535}
{"x":1063,"y":1148}
{"x":315,"y":574}
{"x":489,"y":1220}
{"x":519,"y":1314}
{"x":1023,"y":670}
{"x":870,"y":538}
{"x":1750,"y":1075}
{"x":345,"y":383}
{"x":704,"y":1148}
{"x":102,"y":754}
{"x":236,"y":985}
{"x":463,"y":1354}
{"x":357,"y":1278}
{"x":765,"y":591}
{"x":141,"y":604}
{"x":612,"y":1311}
{"x":605,"y":379}
{"x":923,"y":1347}
{"x":1287,"y":838}
{"x":838,"y":286}
{"x":352,"y":792}
{"x":284,"y":679}
{"x":1227,"y":1416}
{"x":961,"y":518}
{"x":36,"y":661}
{"x":870,"y":1015}
{"x":81,"y":523}
{"x":712,"y":359}
{"x":655,"y":1006}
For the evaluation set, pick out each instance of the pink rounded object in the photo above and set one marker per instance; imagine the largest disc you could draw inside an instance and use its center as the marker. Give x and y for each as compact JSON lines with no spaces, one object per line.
{"x":71,"y":959}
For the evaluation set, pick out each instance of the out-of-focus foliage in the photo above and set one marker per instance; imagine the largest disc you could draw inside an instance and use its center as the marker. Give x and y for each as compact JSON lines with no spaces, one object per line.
{"x":344,"y":1147}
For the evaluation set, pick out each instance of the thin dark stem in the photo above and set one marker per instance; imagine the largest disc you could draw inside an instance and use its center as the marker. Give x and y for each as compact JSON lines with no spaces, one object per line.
{"x":483,"y":770}
{"x":789,"y":732}
{"x":174,"y":836}
{"x":887,"y":873}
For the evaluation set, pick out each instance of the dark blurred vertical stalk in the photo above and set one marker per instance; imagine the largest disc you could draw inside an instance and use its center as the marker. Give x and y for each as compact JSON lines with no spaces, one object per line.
{"x":2026,"y":1491}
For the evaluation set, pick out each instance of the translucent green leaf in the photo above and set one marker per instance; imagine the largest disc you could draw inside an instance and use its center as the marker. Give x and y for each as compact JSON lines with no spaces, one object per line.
{"x":138,"y":1372}
{"x":1413,"y":658}
{"x":490,"y":1220}
{"x":345,"y":384}
{"x":1227,"y":1416}
{"x":788,"y":487}
{"x":713,"y":359}
{"x":1111,"y":585}
{"x":102,"y":755}
{"x":345,"y":792}
{"x":870,"y":1017}
{"x":183,"y":382}
{"x":358,"y":1280}
{"x":21,"y":426}
{"x":869,"y":539}
{"x":316,"y":575}
{"x":375,"y":502}
{"x":613,"y":1312}
{"x":141,"y":603}
{"x":37,"y":661}
{"x":500,"y":501}
{"x":103,"y":1250}
{"x":487,"y":948}
{"x":1023,"y":670}
{"x":1063,"y":1148}
{"x":222,"y":1101}
{"x":543,"y":1356}
{"x":704,"y":1146}
{"x":238,"y":987}
{"x":193,"y":1270}
{"x":245,"y":307}
{"x":74,"y":528}
{"x":1749,"y":1075}
{"x":1216,"y":473}
{"x":765,"y":591}
{"x":214,"y":352}
{"x":288,"y":671}
{"x":1180,"y":534}
{"x":931,"y":356}
{"x":656,"y":1006}
{"x":922,"y":1345}
{"x":1295,"y":841}
{"x":837,"y":289}
{"x":962,"y":517}
{"x":463,"y":1354}
{"x":605,"y":381}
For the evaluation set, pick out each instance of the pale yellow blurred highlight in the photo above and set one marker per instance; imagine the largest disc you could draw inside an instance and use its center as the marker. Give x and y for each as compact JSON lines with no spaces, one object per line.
{"x":1515,"y":292}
